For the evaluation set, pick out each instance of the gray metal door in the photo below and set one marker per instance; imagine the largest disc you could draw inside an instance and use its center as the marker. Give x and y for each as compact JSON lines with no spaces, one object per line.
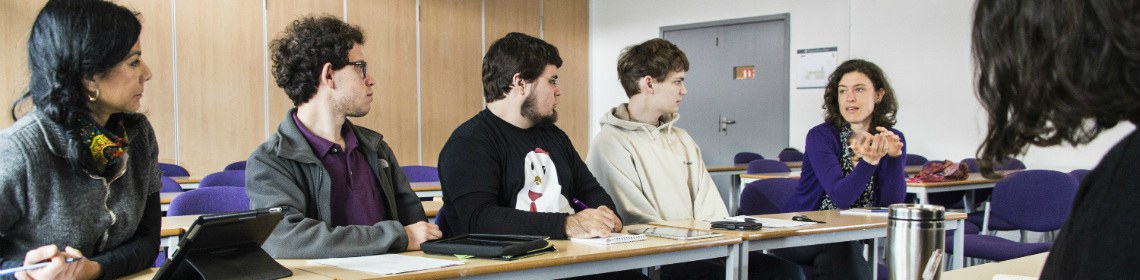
{"x":726,"y":115}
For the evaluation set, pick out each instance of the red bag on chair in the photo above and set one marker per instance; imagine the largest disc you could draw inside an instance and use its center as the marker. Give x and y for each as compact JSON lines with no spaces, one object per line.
{"x":943,"y":171}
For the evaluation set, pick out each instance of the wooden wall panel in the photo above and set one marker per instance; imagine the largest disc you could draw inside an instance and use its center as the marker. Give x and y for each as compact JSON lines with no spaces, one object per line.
{"x":279,"y":15}
{"x":566,"y":25}
{"x":17,"y":18}
{"x":221,"y":81}
{"x":506,"y":16}
{"x":451,"y":57}
{"x":158,"y":97}
{"x":390,"y":48}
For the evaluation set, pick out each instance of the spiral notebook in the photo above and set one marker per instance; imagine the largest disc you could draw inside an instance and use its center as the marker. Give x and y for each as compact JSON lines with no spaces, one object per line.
{"x":614,"y":238}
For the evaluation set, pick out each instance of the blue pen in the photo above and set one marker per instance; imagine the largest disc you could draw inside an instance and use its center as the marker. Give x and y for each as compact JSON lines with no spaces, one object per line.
{"x":581,"y":205}
{"x":32,"y":267}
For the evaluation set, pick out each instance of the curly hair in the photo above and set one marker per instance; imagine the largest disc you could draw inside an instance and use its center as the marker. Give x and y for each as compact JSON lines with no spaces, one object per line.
{"x":515,"y":53}
{"x":885,"y":110}
{"x":307,"y":44}
{"x":72,"y":41}
{"x":1054,"y":71}
{"x":655,"y":58}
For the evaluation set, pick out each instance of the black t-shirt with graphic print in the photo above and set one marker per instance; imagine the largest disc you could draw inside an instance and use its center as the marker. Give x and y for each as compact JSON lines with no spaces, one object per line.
{"x":482,"y":168}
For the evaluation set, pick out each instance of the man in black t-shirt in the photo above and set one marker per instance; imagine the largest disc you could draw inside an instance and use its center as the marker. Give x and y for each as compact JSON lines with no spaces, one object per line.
{"x":509,"y":169}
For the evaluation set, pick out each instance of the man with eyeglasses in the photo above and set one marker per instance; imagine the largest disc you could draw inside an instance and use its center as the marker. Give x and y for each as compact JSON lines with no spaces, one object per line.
{"x":509,"y":169}
{"x":342,"y":186}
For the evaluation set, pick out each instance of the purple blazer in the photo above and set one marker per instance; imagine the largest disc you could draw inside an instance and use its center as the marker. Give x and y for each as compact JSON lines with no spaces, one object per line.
{"x":821,"y":173}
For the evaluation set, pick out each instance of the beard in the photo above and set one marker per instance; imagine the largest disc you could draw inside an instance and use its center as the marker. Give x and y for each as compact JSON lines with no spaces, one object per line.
{"x":530,"y":112}
{"x":346,"y":105}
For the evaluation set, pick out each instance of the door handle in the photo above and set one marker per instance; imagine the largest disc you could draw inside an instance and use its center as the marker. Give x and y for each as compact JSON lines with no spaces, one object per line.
{"x":724,"y":122}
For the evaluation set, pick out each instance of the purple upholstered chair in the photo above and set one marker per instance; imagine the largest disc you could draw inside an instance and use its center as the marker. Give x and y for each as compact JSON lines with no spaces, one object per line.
{"x":766,"y":196}
{"x":790,"y":154}
{"x":169,"y":185}
{"x":172,"y":170}
{"x":237,"y":165}
{"x":420,"y":173}
{"x":745,"y":157}
{"x":235,"y":178}
{"x":1009,"y":164}
{"x":767,"y":166}
{"x":971,"y":164}
{"x":914,"y":159}
{"x":1079,"y":174}
{"x":217,"y":199}
{"x":1033,"y":200}
{"x":439,"y":221}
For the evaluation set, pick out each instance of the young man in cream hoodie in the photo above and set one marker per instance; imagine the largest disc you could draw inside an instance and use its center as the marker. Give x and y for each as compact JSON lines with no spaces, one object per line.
{"x":654,"y":170}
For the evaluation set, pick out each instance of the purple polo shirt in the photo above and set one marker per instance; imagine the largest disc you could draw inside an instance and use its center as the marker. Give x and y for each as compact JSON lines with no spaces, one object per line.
{"x":355,"y":198}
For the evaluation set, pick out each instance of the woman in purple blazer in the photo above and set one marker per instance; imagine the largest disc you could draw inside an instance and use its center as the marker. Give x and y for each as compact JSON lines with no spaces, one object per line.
{"x":853,"y":159}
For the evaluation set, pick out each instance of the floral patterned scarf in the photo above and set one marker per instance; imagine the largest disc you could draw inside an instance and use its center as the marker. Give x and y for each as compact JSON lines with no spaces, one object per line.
{"x":106,"y":148}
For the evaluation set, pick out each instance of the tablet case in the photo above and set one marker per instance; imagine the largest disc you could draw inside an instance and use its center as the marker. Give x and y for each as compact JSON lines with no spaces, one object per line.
{"x":226,"y":246}
{"x":497,"y":246}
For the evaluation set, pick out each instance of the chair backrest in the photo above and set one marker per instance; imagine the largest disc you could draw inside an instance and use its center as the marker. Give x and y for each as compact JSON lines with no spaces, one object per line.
{"x":234,"y":178}
{"x":914,"y":159}
{"x":1036,"y":200}
{"x":766,"y":196}
{"x":1079,"y":174}
{"x":169,"y":185}
{"x":745,"y":157}
{"x":237,"y":165}
{"x":420,"y":173}
{"x":172,"y":170}
{"x":1009,"y":164}
{"x":790,"y":154}
{"x":441,"y":223}
{"x":971,"y":164}
{"x":767,"y":166}
{"x":217,"y":199}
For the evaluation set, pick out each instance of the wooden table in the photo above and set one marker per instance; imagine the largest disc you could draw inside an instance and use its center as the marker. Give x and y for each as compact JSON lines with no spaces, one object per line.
{"x":188,"y":182}
{"x":431,"y":207}
{"x":427,"y":189}
{"x":1029,"y":266}
{"x":839,"y":228}
{"x":974,"y":182}
{"x":571,"y":259}
{"x":165,"y":198}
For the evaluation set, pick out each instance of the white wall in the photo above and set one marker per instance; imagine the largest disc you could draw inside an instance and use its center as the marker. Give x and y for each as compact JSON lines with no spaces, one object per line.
{"x":923,"y":46}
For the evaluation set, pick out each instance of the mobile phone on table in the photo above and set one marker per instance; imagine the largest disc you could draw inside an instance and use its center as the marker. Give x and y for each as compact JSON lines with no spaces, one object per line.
{"x":734,"y":225}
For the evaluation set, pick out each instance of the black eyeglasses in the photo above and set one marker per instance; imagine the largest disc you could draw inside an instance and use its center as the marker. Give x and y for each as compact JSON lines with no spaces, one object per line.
{"x":363,"y":67}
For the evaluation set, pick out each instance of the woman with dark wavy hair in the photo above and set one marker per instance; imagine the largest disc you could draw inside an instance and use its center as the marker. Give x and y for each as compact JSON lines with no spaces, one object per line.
{"x":1053,"y":71}
{"x":79,"y":176}
{"x":853,"y":159}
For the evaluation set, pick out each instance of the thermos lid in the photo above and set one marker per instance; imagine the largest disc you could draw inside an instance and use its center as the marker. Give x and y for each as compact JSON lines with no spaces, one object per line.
{"x":917,"y":212}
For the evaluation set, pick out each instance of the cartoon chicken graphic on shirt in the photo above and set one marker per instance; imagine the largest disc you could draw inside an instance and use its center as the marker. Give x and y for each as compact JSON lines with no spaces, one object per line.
{"x":541,"y":191}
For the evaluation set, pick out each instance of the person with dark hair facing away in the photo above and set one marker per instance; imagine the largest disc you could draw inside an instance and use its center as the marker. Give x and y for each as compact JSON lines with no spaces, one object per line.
{"x":653,"y":169}
{"x":854,"y":159}
{"x":1064,"y":71}
{"x":80,"y":176}
{"x":509,"y":169}
{"x":343,"y":188}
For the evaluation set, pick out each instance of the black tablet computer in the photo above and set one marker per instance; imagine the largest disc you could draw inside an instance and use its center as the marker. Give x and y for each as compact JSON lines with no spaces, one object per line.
{"x":226,"y":246}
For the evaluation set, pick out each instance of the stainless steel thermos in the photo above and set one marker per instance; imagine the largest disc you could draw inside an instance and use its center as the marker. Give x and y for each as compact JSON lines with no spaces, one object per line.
{"x":916,"y":241}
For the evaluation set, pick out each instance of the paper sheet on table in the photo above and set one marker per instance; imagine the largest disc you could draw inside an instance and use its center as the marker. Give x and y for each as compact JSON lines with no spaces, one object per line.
{"x":387,"y":263}
{"x":771,"y":223}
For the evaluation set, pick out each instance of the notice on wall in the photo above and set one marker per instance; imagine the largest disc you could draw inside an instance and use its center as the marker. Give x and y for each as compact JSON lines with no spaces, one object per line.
{"x":815,"y":65}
